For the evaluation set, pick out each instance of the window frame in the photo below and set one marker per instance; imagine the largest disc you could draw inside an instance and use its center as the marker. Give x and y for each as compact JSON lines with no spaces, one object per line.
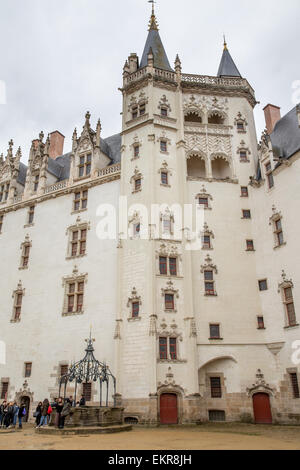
{"x":216,"y":391}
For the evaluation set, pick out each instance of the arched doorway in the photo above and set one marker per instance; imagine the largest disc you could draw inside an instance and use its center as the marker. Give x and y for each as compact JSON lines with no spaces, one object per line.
{"x":168,"y":408}
{"x":262,"y":408}
{"x":26,"y":401}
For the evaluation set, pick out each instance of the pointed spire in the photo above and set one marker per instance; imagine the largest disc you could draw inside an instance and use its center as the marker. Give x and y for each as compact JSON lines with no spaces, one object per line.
{"x":227,"y":66}
{"x":154,"y":42}
{"x":153,"y":26}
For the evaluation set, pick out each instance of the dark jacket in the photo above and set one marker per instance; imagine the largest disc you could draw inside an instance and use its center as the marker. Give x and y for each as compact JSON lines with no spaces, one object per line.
{"x":21,"y":410}
{"x":45,"y":407}
{"x":82,"y":402}
{"x":59,"y":408}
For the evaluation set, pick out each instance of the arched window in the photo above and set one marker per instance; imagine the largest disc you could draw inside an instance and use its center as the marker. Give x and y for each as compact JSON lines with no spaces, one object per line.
{"x":220,"y":168}
{"x":196,"y":167}
{"x":193,"y":117}
{"x":216,"y":118}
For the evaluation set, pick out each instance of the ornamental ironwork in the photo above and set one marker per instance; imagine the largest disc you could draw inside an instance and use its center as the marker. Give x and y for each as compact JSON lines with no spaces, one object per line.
{"x":88,"y":370}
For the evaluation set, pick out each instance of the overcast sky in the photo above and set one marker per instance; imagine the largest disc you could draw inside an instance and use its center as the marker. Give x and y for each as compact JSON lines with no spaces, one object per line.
{"x":60,"y":58}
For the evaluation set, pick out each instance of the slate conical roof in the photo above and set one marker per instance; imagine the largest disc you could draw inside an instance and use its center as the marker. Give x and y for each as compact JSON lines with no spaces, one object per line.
{"x":227,"y":66}
{"x":154,"y":42}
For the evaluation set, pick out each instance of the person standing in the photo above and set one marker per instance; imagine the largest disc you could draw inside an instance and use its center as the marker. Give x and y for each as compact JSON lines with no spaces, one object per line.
{"x":38,"y":414}
{"x":9,"y":417}
{"x":59,"y":407}
{"x":45,"y":407}
{"x":65,"y":412}
{"x":16,"y":413}
{"x":3,"y":408}
{"x":21,"y":414}
{"x":82,"y":401}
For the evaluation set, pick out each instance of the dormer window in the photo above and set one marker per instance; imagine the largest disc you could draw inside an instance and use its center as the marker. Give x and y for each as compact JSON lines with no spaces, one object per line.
{"x":36,"y":182}
{"x":85,"y":165}
{"x":4,"y":190}
{"x":142,"y":109}
{"x":269,"y":175}
{"x":134,"y":112}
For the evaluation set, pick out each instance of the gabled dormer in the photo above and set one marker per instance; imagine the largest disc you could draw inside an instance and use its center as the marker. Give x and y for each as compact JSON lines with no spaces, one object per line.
{"x":90,"y":153}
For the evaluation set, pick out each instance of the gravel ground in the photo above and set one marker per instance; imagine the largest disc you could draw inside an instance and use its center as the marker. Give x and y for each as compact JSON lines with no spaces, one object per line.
{"x":204,"y":437}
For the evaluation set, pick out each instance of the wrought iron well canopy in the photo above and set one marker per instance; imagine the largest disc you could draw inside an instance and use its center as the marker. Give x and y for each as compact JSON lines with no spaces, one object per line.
{"x":88,"y":370}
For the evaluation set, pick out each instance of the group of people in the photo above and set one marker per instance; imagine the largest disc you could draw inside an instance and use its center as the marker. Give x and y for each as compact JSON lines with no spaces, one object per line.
{"x":44,"y":410}
{"x":11,"y":413}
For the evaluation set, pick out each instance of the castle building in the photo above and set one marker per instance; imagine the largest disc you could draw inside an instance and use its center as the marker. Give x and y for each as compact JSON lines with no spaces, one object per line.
{"x":190,"y":334}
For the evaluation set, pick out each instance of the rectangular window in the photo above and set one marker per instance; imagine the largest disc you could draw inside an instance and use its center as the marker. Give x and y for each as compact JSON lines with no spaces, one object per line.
{"x":246,"y":214}
{"x":240,"y":126}
{"x":216,"y":416}
{"x":31,"y":215}
{"x":25,"y":257}
{"x":4,"y":390}
{"x":263,"y":285}
{"x":214,"y":331}
{"x":269,"y":175}
{"x":289,"y":305}
{"x":28,"y":369}
{"x":142,"y":109}
{"x":164,"y":112}
{"x":85,"y":165}
{"x":261,"y":323}
{"x":75,"y":295}
{"x":243,"y":156}
{"x":135,"y":309}
{"x":203,"y":201}
{"x":78,"y":242}
{"x":163,"y":352}
{"x":64,"y":370}
{"x":206,"y":242}
{"x":134,"y":112}
{"x":138,"y":184}
{"x":136,"y":151}
{"x":163,"y":146}
{"x":173,"y":349}
{"x":209,"y":284}
{"x":173,"y":266}
{"x":295,"y":385}
{"x":250,"y":245}
{"x":244,"y":191}
{"x":80,"y":200}
{"x":278,"y":232}
{"x":163,"y":265}
{"x":18,"y":306}
{"x":167,"y":226}
{"x":164,"y":178}
{"x":87,"y":391}
{"x":1,"y":222}
{"x":4,"y":191}
{"x":215,"y":387}
{"x":169,"y":301}
{"x":36,"y":182}
{"x":137,"y":229}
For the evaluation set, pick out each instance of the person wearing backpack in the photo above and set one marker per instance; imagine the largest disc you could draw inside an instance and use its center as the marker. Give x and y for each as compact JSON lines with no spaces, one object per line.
{"x":21,"y":414}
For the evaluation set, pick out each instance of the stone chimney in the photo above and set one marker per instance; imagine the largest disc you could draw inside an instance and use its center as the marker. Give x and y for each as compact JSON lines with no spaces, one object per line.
{"x":272,"y":116}
{"x":56,"y":144}
{"x":133,"y":62}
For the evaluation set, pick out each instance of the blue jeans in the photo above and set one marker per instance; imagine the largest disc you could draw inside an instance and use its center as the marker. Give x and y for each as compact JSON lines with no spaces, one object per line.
{"x":15,"y":419}
{"x":20,"y":421}
{"x":43,"y":421}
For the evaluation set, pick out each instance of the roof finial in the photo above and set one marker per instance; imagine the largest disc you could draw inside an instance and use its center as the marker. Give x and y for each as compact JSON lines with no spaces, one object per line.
{"x":225,"y":43}
{"x":153,"y":23}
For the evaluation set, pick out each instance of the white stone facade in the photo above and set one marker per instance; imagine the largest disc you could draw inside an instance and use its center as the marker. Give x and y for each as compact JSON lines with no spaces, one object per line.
{"x":211,"y":159}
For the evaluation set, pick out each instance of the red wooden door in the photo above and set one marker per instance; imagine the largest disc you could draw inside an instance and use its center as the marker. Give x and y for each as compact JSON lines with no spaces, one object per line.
{"x":168,"y":409}
{"x":262,"y":408}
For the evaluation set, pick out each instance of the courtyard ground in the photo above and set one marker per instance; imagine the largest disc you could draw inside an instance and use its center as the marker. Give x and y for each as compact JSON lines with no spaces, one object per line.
{"x":203,"y":437}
